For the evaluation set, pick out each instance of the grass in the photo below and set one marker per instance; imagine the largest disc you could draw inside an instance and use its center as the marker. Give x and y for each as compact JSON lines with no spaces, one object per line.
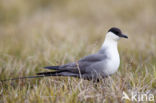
{"x":34,"y":34}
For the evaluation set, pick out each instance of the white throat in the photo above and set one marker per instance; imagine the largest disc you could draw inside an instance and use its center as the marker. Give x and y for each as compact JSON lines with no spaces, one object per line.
{"x":111,"y":41}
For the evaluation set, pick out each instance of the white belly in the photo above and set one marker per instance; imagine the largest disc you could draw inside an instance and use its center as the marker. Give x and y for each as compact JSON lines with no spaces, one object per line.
{"x":112,"y":65}
{"x":112,"y":62}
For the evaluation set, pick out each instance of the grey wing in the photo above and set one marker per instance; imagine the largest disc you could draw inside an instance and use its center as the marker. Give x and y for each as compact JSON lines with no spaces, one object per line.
{"x":84,"y":67}
{"x":82,"y":64}
{"x":86,"y":62}
{"x":93,"y":58}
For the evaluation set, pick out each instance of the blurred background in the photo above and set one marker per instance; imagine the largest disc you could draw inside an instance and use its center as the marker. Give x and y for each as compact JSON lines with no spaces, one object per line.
{"x":47,"y":30}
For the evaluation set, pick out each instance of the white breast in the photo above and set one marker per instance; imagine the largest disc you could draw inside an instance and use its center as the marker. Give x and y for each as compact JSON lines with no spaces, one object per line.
{"x":113,"y":61}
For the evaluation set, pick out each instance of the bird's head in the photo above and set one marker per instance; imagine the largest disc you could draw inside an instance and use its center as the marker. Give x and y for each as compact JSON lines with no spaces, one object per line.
{"x":115,"y":34}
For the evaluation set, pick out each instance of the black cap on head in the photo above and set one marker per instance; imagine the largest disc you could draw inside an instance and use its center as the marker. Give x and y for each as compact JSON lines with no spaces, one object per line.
{"x":117,"y":31}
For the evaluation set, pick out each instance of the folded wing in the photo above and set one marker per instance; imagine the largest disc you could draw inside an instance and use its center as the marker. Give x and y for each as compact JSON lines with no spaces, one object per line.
{"x":74,"y":69}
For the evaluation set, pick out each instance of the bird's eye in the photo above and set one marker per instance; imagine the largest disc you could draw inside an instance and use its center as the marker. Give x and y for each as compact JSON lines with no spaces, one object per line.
{"x":116,"y":32}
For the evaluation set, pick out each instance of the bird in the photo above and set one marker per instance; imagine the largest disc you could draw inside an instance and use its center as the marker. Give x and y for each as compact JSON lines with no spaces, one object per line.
{"x":92,"y":67}
{"x":101,"y":64}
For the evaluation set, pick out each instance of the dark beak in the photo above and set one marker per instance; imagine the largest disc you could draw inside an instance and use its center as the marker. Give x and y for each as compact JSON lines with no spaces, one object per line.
{"x":123,"y":36}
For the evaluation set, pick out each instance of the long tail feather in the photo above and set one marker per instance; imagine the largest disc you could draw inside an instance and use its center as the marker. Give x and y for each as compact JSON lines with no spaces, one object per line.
{"x":58,"y":74}
{"x":20,"y":78}
{"x":51,"y":73}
